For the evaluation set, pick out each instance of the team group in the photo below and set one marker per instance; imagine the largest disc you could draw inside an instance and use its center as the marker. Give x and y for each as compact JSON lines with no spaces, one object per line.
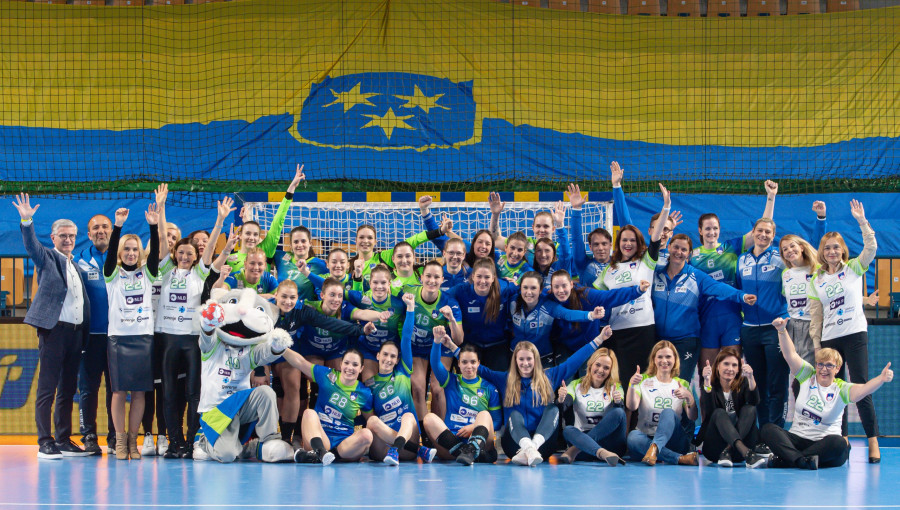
{"x":529,"y":338}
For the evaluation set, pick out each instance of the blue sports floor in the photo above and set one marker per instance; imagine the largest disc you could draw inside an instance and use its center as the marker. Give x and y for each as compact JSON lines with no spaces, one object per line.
{"x":157,"y":483}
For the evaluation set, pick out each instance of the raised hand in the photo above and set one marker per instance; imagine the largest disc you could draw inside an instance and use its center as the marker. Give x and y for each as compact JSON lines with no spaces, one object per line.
{"x":746,"y":369}
{"x":779,"y":323}
{"x":162,"y":193}
{"x":636,"y":378}
{"x":23,"y":204}
{"x":667,"y":198}
{"x":676,"y":218}
{"x":446,"y":223}
{"x":447,"y":312}
{"x":597,"y":313}
{"x":576,"y":199}
{"x":226,"y":272}
{"x":224,"y":208}
{"x":857,"y":210}
{"x":562,"y":391}
{"x":707,"y":374}
{"x":771,"y":188}
{"x":231,"y":241}
{"x":425,"y":203}
{"x":121,"y":216}
{"x":496,"y":204}
{"x":819,"y":208}
{"x":887,"y":375}
{"x":152,"y":214}
{"x":298,"y":177}
{"x":750,"y":299}
{"x":872,"y":299}
{"x":559,"y":214}
{"x":605,"y":334}
{"x":439,"y":333}
{"x":616,"y":174}
{"x":410,"y":301}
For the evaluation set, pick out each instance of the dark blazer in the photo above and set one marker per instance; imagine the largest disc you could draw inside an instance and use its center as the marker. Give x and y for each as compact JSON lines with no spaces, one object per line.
{"x":51,"y":279}
{"x":715,"y":399}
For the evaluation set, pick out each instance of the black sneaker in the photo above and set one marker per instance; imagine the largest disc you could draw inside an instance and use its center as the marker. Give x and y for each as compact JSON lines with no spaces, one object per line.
{"x":175,"y":451}
{"x":755,"y":460}
{"x":187,"y":451}
{"x":302,"y":456}
{"x":68,"y":448}
{"x":91,"y":446}
{"x":763,"y":449}
{"x":811,"y":463}
{"x":49,"y":451}
{"x":725,"y":459}
{"x":467,"y":454}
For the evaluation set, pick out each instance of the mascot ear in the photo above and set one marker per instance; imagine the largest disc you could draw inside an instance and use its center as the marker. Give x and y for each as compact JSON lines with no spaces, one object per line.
{"x":273,"y":311}
{"x":217,"y":293}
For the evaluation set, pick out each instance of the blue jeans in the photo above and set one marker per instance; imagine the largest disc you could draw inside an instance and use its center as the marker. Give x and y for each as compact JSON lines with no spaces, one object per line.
{"x":670,"y":439}
{"x":760,"y":348}
{"x":609,"y":434}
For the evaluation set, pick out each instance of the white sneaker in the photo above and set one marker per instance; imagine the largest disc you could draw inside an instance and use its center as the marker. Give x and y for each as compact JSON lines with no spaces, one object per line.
{"x":520,"y":457}
{"x":200,"y":452}
{"x":162,"y":445}
{"x":148,"y":449}
{"x":533,"y":456}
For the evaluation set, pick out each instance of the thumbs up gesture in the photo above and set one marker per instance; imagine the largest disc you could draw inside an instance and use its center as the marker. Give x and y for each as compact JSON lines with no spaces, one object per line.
{"x":707,"y":374}
{"x":887,"y":375}
{"x":636,"y":378}
{"x":563,"y":391}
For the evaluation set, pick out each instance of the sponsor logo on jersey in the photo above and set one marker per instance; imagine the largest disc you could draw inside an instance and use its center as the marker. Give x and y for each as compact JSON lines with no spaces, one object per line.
{"x":798,"y":303}
{"x":837,"y":303}
{"x":747,"y":271}
{"x":814,"y":417}
{"x":717,"y":275}
{"x":178,"y":298}
{"x":286,"y":257}
{"x":134,"y":300}
{"x":767,"y":268}
{"x":474,"y":309}
{"x":93,"y":275}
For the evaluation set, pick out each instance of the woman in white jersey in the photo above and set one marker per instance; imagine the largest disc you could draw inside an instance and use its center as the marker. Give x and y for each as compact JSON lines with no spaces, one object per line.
{"x":183,"y":276}
{"x":633,"y":323}
{"x":800,"y":260}
{"x":660,"y":398}
{"x":129,"y":278}
{"x":597,"y":399}
{"x":838,"y":318}
{"x":815,"y":440}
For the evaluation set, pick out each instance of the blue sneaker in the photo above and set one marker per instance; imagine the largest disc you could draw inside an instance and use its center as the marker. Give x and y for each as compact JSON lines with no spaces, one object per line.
{"x":426,"y":454}
{"x":393,"y":457}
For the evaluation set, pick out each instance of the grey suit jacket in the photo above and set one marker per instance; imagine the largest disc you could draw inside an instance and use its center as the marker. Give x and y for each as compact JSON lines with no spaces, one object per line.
{"x":52,"y":287}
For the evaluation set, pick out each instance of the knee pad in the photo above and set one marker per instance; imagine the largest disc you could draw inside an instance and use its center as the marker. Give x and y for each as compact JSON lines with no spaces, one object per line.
{"x":276,"y":450}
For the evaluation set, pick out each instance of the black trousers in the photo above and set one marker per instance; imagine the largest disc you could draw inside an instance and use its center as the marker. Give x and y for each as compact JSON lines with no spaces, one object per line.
{"x":855,"y":351}
{"x":59,"y":352}
{"x":94,"y":366}
{"x":832,"y":450}
{"x":723,"y":432}
{"x":181,"y":355}
{"x":632,"y":347}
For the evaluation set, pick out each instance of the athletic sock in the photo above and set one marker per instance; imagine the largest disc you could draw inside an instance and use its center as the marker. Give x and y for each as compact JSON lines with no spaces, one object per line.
{"x":525,"y":442}
{"x":538,"y":440}
{"x":399,"y":443}
{"x":448,"y":440}
{"x":411,"y":447}
{"x":479,"y":436}
{"x":337,"y":456}
{"x":318,"y":446}
{"x":287,"y":431}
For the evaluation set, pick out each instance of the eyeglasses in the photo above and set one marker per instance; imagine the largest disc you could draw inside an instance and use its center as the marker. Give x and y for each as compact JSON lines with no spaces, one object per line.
{"x":455,"y":253}
{"x":66,"y":237}
{"x":829,"y":366}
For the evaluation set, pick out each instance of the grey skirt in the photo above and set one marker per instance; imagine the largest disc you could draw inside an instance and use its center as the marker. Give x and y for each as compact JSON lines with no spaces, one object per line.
{"x":130,"y":367}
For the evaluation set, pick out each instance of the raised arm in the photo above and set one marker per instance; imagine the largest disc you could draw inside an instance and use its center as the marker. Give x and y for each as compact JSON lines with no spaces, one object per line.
{"x":633,"y":397}
{"x":870,"y":246}
{"x":768,"y":212}
{"x":229,"y":246}
{"x":577,"y":245}
{"x":109,"y":266}
{"x":406,"y":334}
{"x":620,"y":207}
{"x":437,"y":367}
{"x":152,"y":216}
{"x":223,"y":210}
{"x":299,"y":362}
{"x":656,"y":234}
{"x":497,"y":206}
{"x":861,"y":391}
{"x":793,"y":359}
{"x":33,"y":247}
{"x":820,"y":227}
{"x":273,"y":235}
{"x":454,"y":320}
{"x":569,"y":367}
{"x":162,"y":192}
{"x":310,"y":316}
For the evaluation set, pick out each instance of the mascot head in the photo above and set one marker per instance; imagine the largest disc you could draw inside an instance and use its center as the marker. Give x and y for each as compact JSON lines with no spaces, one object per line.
{"x":238,"y":317}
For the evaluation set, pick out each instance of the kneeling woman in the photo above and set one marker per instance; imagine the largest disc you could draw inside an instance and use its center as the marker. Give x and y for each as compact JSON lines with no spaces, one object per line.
{"x":528,"y":399}
{"x":394,"y":422}
{"x":660,"y":398}
{"x":328,"y":430}
{"x":598,"y":398}
{"x":466,"y":432}
{"x":815,"y":439}
{"x":728,"y":403}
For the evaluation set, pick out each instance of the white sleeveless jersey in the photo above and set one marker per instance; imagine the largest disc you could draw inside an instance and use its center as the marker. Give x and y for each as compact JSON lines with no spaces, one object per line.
{"x":655,"y":398}
{"x":591,"y":406}
{"x":179,"y":298}
{"x":638,"y":312}
{"x":225,"y":370}
{"x":841,"y":295}
{"x":818,"y":410}
{"x":794,"y":287}
{"x":129,"y":294}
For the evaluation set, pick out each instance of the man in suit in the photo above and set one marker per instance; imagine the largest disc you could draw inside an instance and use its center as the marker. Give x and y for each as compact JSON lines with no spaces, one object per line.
{"x":61,"y":314}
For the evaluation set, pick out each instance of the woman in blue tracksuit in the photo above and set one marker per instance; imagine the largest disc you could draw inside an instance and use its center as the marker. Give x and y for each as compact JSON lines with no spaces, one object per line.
{"x":759,"y":273}
{"x":678,"y":291}
{"x":528,"y":393}
{"x":533,"y":313}
{"x":483,"y":302}
{"x":599,"y":242}
{"x":568,"y":337}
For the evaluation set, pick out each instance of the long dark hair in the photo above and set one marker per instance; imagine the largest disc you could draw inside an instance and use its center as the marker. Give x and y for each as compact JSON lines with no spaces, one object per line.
{"x":470,"y":256}
{"x":727,"y":352}
{"x":641,"y":245}
{"x":520,"y":301}
{"x":576,"y":297}
{"x":552,"y":246}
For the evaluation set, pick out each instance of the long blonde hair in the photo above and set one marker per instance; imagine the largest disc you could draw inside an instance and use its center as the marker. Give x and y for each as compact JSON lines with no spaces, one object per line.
{"x":142,"y":258}
{"x":663,"y":344}
{"x":611,"y":380}
{"x":543,"y":392}
{"x":807,"y":252}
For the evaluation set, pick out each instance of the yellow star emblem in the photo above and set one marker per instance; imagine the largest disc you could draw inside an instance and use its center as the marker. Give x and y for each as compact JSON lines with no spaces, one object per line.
{"x":426,"y":103}
{"x":388,"y":122}
{"x":352,"y":98}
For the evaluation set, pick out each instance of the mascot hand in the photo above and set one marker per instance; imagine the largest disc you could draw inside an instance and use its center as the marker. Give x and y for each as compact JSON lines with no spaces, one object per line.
{"x":280,"y":340}
{"x":212,"y":317}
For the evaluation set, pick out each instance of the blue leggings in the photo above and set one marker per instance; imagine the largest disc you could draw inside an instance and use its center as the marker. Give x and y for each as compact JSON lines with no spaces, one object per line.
{"x":670,"y":439}
{"x":608,"y":434}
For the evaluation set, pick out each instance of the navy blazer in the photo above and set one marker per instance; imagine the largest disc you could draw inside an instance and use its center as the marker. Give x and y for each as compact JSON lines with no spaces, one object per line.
{"x":51,"y":279}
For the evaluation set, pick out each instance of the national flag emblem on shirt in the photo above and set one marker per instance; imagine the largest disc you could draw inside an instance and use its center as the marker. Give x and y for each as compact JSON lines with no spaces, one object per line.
{"x":388,"y":111}
{"x":829,"y":397}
